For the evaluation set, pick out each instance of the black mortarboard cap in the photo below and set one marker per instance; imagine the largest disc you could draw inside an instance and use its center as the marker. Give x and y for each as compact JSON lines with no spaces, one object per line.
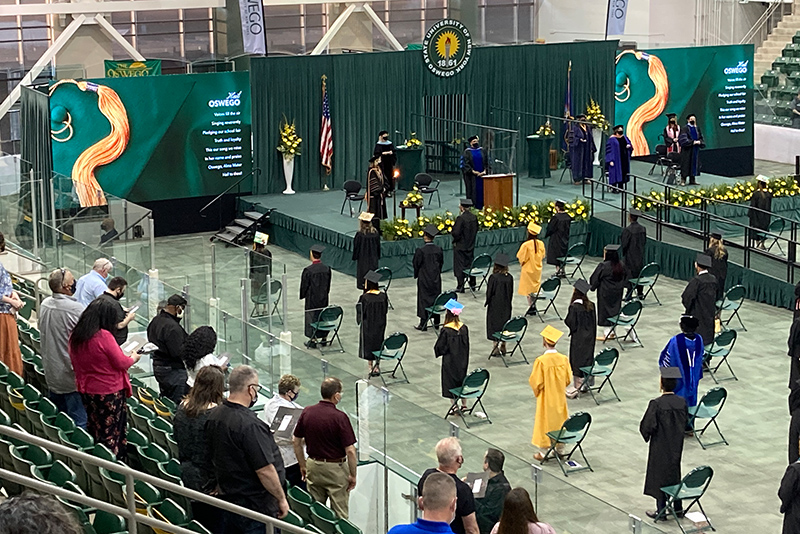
{"x":635,"y":212}
{"x":469,"y":140}
{"x":317,"y":248}
{"x":501,"y":260}
{"x":466,"y":202}
{"x":670,"y":372}
{"x":373,"y":159}
{"x":671,"y":115}
{"x":582,"y":286}
{"x":716,"y":234}
{"x":612,"y":248}
{"x":372,"y":276}
{"x":431,"y":230}
{"x":703,"y":260}
{"x":689,"y":323}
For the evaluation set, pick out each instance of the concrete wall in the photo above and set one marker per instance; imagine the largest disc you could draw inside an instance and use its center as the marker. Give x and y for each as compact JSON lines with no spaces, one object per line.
{"x":83,"y":55}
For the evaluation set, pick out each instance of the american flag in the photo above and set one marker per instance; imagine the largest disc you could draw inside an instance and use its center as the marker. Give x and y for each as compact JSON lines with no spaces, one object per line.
{"x":326,"y":131}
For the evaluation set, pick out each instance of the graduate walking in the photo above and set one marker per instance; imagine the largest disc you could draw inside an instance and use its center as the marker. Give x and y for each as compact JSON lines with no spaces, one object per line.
{"x":366,"y":248}
{"x":700,"y":298}
{"x":315,"y":286}
{"x":609,"y":279}
{"x":794,"y":353}
{"x":581,"y":321}
{"x":558,"y":232}
{"x":376,"y":192}
{"x":789,"y":494}
{"x":428,"y":261}
{"x":530,"y":256}
{"x":581,"y":150}
{"x":633,"y":240}
{"x":499,"y":295}
{"x":550,"y":376}
{"x":685,"y":351}
{"x":464,"y":231}
{"x":371,"y":312}
{"x":618,"y":158}
{"x":719,"y":261}
{"x":794,"y":423}
{"x":691,"y":141}
{"x":385,"y":150}
{"x":760,"y":217}
{"x":452,"y":346}
{"x":662,"y":427}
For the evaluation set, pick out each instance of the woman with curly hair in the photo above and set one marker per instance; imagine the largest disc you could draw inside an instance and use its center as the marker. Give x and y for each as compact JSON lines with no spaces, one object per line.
{"x":198,"y":352}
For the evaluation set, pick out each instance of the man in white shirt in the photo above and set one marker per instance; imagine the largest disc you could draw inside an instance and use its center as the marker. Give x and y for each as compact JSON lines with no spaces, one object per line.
{"x":288,"y":391}
{"x":93,"y":284}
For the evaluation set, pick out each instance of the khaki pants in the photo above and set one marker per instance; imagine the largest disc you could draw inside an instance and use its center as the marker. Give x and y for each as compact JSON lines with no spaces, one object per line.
{"x":329,"y":481}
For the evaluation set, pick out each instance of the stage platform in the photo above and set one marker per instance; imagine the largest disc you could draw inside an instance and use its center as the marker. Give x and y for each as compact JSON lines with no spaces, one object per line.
{"x":300,"y":220}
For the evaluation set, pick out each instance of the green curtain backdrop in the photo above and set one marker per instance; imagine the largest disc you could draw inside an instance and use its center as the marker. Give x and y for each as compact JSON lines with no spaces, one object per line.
{"x":370,"y":92}
{"x":36,"y":152}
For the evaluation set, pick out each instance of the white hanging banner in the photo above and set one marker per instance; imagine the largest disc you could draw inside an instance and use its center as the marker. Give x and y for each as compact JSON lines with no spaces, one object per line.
{"x":615,"y":22}
{"x":254,"y":39}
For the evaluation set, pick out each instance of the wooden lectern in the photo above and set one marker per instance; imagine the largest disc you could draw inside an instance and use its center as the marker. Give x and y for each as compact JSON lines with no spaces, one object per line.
{"x":498,"y":191}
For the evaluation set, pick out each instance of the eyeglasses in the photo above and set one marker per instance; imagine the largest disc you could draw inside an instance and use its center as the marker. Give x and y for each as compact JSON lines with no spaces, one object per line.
{"x":257,"y":386}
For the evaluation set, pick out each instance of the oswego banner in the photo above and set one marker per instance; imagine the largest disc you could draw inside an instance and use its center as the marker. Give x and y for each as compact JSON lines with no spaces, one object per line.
{"x":130,"y":69}
{"x":617,"y":10}
{"x":254,"y":39}
{"x":447,"y":48}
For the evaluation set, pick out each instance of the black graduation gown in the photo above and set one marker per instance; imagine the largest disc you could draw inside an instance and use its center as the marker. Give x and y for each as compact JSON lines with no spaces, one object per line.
{"x":634,"y":238}
{"x":465,"y":229}
{"x":794,"y":425}
{"x":582,"y":333}
{"x":388,"y":161}
{"x":719,"y":268}
{"x":366,"y":253}
{"x":376,"y":196}
{"x":371,"y":312}
{"x":428,"y":261}
{"x":700,"y":300}
{"x":499,"y":295}
{"x":662,"y":426}
{"x":794,"y":354}
{"x":789,"y":494}
{"x":453,"y":347}
{"x":609,"y":291}
{"x":558,"y":232}
{"x":315,"y":286}
{"x":758,"y":219}
{"x":690,"y":153}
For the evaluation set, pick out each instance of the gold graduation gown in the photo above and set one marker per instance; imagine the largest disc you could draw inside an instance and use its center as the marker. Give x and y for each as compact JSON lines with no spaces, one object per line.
{"x":530,"y":256}
{"x":550,"y":376}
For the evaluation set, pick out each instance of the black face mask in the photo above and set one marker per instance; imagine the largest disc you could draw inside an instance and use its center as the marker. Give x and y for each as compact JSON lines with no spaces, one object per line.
{"x":253,"y":400}
{"x":73,"y":287}
{"x":119,"y":296}
{"x":385,"y":137}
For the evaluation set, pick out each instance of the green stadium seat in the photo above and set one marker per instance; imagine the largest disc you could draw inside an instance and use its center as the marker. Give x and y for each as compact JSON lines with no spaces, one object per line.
{"x":151,"y":456}
{"x":323,"y":518}
{"x":114,"y":483}
{"x":81,"y":441}
{"x":796,"y":38}
{"x":37,"y":411}
{"x":300,"y":502}
{"x":105,"y":523}
{"x":27,"y":456}
{"x":140,"y":415}
{"x":61,"y":422}
{"x":7,"y":462}
{"x":95,"y":482}
{"x":159,"y":429}
{"x":779,"y":63}
{"x":145,"y":494}
{"x":770,"y":78}
{"x":57,"y":474}
{"x":343,"y":526}
{"x":170,"y":512}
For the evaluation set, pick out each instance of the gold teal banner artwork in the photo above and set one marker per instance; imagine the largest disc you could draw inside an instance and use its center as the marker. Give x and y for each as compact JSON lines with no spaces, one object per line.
{"x":131,"y":69}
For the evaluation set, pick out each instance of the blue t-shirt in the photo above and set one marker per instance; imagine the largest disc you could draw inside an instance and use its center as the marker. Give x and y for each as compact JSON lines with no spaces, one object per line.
{"x":422,"y":526}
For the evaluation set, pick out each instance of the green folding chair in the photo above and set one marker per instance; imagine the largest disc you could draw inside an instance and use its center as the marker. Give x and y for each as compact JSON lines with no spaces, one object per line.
{"x":513,"y":332}
{"x":323,"y":518}
{"x":603,"y":367}
{"x":267,"y":300}
{"x":574,"y":258}
{"x":474,"y":387}
{"x":300,"y":502}
{"x":56,"y":474}
{"x":393,"y":350}
{"x":731,"y":302}
{"x":720,"y":348}
{"x":151,"y":457}
{"x":384,"y":283}
{"x":776,"y":227}
{"x":438,"y":306}
{"x":548,"y":291}
{"x":647,"y":278}
{"x":343,"y":526}
{"x":691,"y":488}
{"x":479,"y":269}
{"x":572,"y":432}
{"x":627,"y":317}
{"x":709,"y":407}
{"x":328,"y":322}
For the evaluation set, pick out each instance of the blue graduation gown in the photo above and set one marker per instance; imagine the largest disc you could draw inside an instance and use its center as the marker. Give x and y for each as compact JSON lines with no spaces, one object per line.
{"x":613,"y":154}
{"x":581,"y":149}
{"x":687,"y":355}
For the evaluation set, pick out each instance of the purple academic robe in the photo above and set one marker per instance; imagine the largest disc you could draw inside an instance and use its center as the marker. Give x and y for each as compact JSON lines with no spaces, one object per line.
{"x":615,"y":172}
{"x":582,"y":149}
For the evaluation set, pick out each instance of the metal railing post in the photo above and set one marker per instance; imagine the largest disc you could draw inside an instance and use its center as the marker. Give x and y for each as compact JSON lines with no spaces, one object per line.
{"x":213,"y":271}
{"x":537,"y":477}
{"x":285,"y":303}
{"x":34,"y":216}
{"x":152,"y":228}
{"x":130,"y":497}
{"x":245,"y":287}
{"x":187,"y":313}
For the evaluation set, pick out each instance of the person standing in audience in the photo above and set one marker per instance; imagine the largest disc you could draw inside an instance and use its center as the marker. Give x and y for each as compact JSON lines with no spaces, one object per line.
{"x":662,"y":426}
{"x":101,"y":375}
{"x":691,"y":141}
{"x":581,"y":320}
{"x":366,"y":248}
{"x":326,"y":432}
{"x":197,"y":469}
{"x":58,"y":315}
{"x":464,"y":232}
{"x":428,"y":262}
{"x":719,"y":261}
{"x":489,"y":507}
{"x":10,"y":304}
{"x":609,"y":279}
{"x":794,"y":424}
{"x":550,"y":376}
{"x":371,"y":312}
{"x":165,"y":331}
{"x":438,"y":504}
{"x":499,"y":298}
{"x":113,"y":293}
{"x":288,"y":391}
{"x":453,"y":347}
{"x":789,"y":494}
{"x":558,"y":232}
{"x":247,"y":462}
{"x":633,"y":241}
{"x":760,"y":215}
{"x":450,"y":458}
{"x":700,"y":298}
{"x":93,"y":284}
{"x":198,"y":352}
{"x":530,"y":256}
{"x":315,"y":289}
{"x":519,"y":517}
{"x":107,"y":226}
{"x":685,"y":351}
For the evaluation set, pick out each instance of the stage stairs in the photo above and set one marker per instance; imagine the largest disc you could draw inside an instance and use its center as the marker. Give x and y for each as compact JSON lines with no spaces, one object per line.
{"x":242,"y":228}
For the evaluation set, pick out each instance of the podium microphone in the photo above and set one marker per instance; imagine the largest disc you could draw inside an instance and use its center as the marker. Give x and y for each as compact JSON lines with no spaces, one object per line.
{"x":499,"y":161}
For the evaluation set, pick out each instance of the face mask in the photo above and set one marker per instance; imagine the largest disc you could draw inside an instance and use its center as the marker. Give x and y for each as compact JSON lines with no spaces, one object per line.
{"x":295,"y":395}
{"x":73,"y":287}
{"x":385,"y":137}
{"x":179,"y":313}
{"x":692,"y":122}
{"x":120,"y":295}
{"x":253,"y":400}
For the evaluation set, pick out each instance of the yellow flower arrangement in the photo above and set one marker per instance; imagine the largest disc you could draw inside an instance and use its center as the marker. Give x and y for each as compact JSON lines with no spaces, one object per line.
{"x":595,"y":115}
{"x":413,"y":199}
{"x":289,"y":144}
{"x":546,"y":130}
{"x":412,"y":141}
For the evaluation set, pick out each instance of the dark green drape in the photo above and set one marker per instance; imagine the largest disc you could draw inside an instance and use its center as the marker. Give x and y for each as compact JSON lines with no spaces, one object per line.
{"x":37,"y":155}
{"x":370,"y":92}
